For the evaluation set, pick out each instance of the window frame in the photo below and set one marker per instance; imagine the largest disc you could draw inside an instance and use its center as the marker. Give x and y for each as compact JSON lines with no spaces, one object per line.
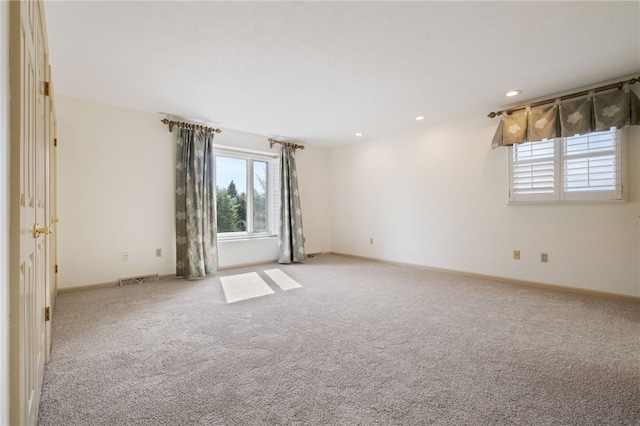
{"x":559,"y":194}
{"x":272,"y":203}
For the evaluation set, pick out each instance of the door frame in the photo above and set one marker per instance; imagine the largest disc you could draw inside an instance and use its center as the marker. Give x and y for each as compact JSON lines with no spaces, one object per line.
{"x":4,"y":212}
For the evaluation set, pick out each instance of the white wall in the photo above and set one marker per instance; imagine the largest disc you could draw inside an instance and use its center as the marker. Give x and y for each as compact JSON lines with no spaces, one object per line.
{"x":312,"y":165}
{"x":116,"y":193}
{"x":4,"y":213}
{"x":438,"y":198}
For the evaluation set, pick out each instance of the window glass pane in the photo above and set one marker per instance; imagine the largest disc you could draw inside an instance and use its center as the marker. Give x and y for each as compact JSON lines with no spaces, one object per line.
{"x":231,"y":194}
{"x":260,"y":223}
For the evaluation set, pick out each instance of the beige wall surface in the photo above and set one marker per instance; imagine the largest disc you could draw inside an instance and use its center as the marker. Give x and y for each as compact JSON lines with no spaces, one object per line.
{"x":116,"y":194}
{"x":435,"y":197}
{"x":438,"y":197}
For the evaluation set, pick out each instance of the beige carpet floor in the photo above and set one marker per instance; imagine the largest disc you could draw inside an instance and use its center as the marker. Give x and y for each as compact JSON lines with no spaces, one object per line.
{"x":357,"y":343}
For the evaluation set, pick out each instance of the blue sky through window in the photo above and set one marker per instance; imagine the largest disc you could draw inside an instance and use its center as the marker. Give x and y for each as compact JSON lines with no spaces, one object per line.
{"x":227,"y":169}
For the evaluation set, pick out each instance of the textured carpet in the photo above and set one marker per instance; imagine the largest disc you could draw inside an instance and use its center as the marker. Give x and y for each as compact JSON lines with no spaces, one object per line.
{"x":359,"y":343}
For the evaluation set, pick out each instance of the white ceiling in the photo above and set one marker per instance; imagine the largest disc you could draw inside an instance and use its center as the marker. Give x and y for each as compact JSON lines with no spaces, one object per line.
{"x":318,"y":72}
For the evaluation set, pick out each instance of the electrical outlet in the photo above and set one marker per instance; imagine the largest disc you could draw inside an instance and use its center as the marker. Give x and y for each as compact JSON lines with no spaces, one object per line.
{"x":125,"y":255}
{"x":159,"y":252}
{"x":516,"y":254}
{"x":544,"y":257}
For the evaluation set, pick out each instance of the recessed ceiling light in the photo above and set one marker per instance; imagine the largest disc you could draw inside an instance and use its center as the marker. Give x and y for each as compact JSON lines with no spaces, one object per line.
{"x":514,"y":92}
{"x":359,"y":134}
{"x":419,"y":117}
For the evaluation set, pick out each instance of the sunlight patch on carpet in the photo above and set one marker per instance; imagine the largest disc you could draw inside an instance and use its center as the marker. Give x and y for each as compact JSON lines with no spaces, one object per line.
{"x":244,"y":286}
{"x":283,"y":280}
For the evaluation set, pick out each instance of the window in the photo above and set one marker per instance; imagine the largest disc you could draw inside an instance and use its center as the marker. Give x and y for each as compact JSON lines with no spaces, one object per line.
{"x":245,"y":194}
{"x":578,"y":168}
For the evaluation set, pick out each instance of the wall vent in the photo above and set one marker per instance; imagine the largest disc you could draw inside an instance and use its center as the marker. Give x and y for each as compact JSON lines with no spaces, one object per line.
{"x":139,"y":279}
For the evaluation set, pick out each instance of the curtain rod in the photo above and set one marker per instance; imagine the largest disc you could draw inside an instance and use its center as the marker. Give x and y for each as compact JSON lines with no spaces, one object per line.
{"x":617,"y":85}
{"x":291,"y":144}
{"x":192,"y":126}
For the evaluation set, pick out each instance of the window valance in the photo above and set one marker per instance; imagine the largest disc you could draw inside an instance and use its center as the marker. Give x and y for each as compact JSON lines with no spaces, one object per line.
{"x":592,"y":113}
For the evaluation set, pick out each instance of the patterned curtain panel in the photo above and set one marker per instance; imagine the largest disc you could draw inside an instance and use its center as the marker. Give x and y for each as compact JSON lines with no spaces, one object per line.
{"x":614,"y":109}
{"x":291,"y":238}
{"x":542,"y":122}
{"x":511,"y":129}
{"x":196,"y":241}
{"x":575,"y":117}
{"x":593,"y":113}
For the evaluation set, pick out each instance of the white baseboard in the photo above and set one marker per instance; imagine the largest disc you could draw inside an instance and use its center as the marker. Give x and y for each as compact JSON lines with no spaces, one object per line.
{"x":105,"y":285}
{"x":513,"y":281}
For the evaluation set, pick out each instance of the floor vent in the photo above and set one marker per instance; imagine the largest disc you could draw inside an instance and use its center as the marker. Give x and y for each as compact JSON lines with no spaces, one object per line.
{"x":139,"y":279}
{"x":310,"y":255}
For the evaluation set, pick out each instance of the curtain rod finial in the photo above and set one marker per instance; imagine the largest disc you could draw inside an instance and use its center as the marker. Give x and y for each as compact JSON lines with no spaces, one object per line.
{"x":170,"y":123}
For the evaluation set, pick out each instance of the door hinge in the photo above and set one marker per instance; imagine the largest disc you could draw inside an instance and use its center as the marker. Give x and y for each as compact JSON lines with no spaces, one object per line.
{"x":46,"y":88}
{"x":47,"y":314}
{"x":55,"y":141}
{"x":56,"y":269}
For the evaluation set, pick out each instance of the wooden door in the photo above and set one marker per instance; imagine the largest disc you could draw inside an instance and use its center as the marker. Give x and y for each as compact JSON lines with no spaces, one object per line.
{"x":41,"y":174}
{"x":29,"y":199}
{"x":51,"y":285}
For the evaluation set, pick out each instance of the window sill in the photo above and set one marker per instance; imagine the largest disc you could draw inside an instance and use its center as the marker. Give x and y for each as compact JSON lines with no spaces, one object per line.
{"x":246,"y":237}
{"x":564,"y":202}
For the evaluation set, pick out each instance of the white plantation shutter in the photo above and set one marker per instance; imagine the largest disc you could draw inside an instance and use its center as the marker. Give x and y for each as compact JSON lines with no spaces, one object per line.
{"x":591,"y":165}
{"x":533,"y":171}
{"x":577,"y":168}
